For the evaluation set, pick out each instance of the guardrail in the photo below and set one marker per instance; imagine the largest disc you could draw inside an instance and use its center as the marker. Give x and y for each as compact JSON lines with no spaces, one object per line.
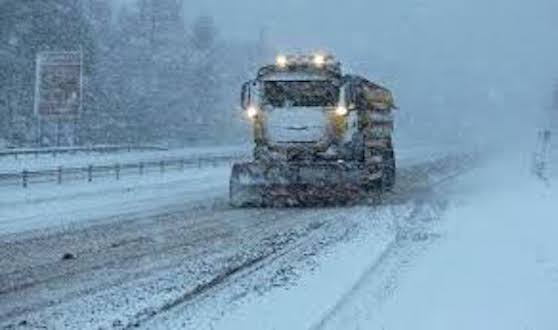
{"x":91,"y":172}
{"x":68,"y":150}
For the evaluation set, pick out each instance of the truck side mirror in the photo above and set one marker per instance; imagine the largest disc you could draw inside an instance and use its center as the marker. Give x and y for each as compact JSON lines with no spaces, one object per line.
{"x":353,"y":96}
{"x":245,"y":96}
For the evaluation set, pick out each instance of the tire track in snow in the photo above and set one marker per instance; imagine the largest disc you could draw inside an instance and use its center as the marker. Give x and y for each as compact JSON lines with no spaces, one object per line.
{"x":203,"y":232}
{"x":383,"y":272}
{"x":265,"y":262}
{"x":236,"y":272}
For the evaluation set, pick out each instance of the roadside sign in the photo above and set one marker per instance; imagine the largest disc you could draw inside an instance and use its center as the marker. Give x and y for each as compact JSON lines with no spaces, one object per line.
{"x":58,"y":85}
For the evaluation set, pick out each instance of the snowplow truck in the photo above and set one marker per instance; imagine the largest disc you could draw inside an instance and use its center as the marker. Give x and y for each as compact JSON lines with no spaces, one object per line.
{"x":320,"y":137}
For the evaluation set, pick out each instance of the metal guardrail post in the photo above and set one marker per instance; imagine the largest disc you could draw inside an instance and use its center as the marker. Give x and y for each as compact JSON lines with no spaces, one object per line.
{"x":24,"y":178}
{"x":141,"y":166}
{"x":117,"y":171}
{"x":59,"y":175}
{"x":162,"y":165}
{"x":90,"y":173}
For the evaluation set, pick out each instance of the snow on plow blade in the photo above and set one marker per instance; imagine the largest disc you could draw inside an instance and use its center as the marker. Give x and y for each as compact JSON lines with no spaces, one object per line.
{"x":304,"y":184}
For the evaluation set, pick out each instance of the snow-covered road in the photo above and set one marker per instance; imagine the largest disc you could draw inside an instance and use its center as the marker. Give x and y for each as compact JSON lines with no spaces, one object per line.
{"x":169,"y":252}
{"x":495,"y":265}
{"x":44,"y":206}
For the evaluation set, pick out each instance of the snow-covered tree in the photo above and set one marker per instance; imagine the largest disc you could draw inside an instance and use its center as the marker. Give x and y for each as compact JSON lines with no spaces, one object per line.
{"x":150,"y":76}
{"x":205,"y":77}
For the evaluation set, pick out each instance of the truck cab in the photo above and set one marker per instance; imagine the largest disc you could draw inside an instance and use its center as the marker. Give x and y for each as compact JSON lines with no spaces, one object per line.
{"x":314,"y":127}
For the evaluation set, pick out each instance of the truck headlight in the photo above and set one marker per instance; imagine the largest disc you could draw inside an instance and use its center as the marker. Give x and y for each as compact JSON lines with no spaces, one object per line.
{"x":281,"y":61}
{"x":341,"y":111}
{"x":252,"y":112}
{"x":319,"y":60}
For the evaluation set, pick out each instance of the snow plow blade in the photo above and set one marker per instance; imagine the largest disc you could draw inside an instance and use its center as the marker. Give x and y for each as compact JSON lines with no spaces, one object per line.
{"x":301,"y":185}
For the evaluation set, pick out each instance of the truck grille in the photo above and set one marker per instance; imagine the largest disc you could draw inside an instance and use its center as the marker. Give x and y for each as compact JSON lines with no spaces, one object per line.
{"x":296,"y":125}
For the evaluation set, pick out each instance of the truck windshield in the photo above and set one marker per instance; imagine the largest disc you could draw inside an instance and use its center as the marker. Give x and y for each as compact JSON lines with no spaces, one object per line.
{"x":301,"y":93}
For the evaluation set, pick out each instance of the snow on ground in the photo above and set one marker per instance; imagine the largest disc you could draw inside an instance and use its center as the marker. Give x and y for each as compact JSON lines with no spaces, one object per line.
{"x":314,"y":295}
{"x":335,"y":269}
{"x":292,"y":268}
{"x":496,"y":266}
{"x":47,"y":205}
{"x":481,"y":254}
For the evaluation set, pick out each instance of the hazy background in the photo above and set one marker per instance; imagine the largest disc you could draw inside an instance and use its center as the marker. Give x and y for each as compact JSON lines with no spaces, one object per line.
{"x":456,"y":67}
{"x":479,"y":70}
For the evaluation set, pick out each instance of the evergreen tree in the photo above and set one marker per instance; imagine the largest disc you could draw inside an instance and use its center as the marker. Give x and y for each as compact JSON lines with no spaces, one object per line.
{"x":206,"y":79}
{"x":149,"y":77}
